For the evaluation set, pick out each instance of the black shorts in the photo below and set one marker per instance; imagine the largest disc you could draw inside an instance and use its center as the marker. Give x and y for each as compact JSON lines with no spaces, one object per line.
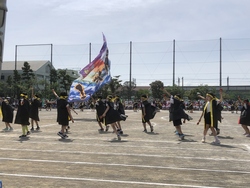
{"x":177,"y":122}
{"x":207,"y":118}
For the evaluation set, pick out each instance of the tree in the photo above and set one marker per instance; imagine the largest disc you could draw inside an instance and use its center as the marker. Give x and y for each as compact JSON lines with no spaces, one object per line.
{"x":128,"y":91}
{"x":157,"y":89}
{"x":10,"y":87}
{"x":65,"y":80}
{"x":173,"y":90}
{"x":27,"y":74}
{"x":53,"y":76}
{"x":115,"y":84}
{"x":111,"y":88}
{"x":141,"y":92}
{"x":16,"y":82}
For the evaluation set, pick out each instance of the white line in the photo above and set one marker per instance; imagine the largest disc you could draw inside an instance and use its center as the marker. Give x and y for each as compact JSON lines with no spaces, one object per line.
{"x":125,"y":154}
{"x":126,"y":165}
{"x":102,"y":180}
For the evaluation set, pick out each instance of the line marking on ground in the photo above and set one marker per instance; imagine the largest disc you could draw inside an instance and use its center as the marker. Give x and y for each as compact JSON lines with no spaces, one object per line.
{"x":102,"y":180}
{"x":123,"y":154}
{"x":126,"y":165}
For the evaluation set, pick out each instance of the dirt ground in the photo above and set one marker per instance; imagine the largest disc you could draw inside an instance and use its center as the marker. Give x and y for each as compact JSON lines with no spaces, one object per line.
{"x":93,"y":159}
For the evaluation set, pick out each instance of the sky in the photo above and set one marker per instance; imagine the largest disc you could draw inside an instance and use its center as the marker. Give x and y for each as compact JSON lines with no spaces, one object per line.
{"x":151,"y":26}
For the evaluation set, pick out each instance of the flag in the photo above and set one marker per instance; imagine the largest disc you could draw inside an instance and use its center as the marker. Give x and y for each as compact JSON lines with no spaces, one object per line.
{"x":92,"y":77}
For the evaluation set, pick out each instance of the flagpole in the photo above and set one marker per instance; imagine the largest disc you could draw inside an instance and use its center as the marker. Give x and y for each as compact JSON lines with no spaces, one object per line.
{"x":89,"y":52}
{"x":130,"y":70}
{"x":220,"y":63}
{"x":173,"y":62}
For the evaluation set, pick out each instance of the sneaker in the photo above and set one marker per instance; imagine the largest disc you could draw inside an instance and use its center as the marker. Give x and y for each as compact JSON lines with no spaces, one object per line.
{"x":176,"y":132}
{"x":189,"y":118}
{"x":65,"y":136}
{"x":11,"y":129}
{"x":216,"y":142}
{"x":5,"y":129}
{"x":107,"y":128}
{"x":203,"y":140}
{"x":60,"y":134}
{"x":100,"y":130}
{"x":38,"y":128}
{"x":121,"y":132}
{"x":32,"y":129}
{"x":152,"y":129}
{"x":181,"y":136}
{"x":145,"y":130}
{"x":22,"y":136}
{"x":28,"y":133}
{"x":118,"y":137}
{"x":247,"y":135}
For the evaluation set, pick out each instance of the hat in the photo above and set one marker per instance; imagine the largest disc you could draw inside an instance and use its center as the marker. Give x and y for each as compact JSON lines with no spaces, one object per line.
{"x":210,"y":95}
{"x":24,"y":95}
{"x":109,"y":97}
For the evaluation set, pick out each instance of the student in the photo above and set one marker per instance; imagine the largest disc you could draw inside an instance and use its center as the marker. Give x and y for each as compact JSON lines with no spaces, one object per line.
{"x":146,"y":113}
{"x":7,"y":113}
{"x":34,"y":111}
{"x":22,"y":115}
{"x":100,"y":107}
{"x":111,"y":116}
{"x":63,"y":113}
{"x":218,"y":109}
{"x":120,"y":108}
{"x":210,"y":114}
{"x":245,"y":116}
{"x":177,"y":113}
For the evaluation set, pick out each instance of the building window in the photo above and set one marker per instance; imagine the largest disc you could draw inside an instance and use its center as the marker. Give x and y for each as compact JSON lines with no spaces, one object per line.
{"x":2,"y":77}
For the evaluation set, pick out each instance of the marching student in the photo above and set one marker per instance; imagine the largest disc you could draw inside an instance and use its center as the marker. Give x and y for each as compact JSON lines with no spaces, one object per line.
{"x":22,"y":115}
{"x":210,"y":114}
{"x":63,"y":113}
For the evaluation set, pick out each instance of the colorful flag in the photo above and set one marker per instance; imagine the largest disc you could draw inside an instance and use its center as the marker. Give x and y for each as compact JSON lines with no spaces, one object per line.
{"x":92,"y":77}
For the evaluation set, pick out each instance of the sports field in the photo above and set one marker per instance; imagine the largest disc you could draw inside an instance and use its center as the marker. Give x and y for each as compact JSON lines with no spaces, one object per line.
{"x":90,"y":159}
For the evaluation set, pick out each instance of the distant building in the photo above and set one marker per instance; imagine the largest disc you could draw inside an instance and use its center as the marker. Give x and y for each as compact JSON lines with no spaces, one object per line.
{"x":41,"y":69}
{"x":72,"y":73}
{"x":3,"y":10}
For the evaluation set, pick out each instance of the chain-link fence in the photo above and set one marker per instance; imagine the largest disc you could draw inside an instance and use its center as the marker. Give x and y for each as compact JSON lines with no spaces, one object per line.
{"x":196,"y":62}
